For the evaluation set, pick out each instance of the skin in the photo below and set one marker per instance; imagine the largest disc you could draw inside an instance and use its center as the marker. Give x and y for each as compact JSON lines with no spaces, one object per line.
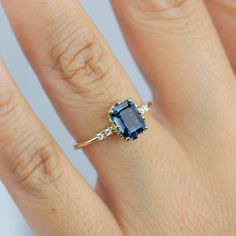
{"x":179,"y":177}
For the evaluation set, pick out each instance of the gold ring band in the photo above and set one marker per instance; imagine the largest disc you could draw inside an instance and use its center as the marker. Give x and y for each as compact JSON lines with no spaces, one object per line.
{"x":99,"y":137}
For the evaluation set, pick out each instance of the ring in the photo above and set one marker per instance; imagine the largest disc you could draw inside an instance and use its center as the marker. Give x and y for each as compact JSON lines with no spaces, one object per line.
{"x":127,"y":120}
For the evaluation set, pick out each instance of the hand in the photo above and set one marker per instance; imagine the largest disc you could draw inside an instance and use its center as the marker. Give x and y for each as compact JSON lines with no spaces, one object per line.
{"x":179,"y":177}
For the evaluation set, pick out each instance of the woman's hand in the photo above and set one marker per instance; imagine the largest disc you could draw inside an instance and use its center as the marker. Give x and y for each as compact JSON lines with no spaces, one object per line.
{"x":179,"y":178}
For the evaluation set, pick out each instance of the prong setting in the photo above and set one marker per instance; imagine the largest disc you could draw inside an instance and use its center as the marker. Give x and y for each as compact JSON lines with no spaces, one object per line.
{"x":124,"y":113}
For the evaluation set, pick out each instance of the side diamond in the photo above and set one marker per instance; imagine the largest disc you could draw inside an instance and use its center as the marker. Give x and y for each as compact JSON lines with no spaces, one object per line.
{"x":144,"y":109}
{"x":100,"y":136}
{"x":108,"y":132}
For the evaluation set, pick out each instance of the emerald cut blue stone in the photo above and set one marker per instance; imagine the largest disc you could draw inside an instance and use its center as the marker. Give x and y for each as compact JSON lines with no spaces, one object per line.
{"x":128,"y":120}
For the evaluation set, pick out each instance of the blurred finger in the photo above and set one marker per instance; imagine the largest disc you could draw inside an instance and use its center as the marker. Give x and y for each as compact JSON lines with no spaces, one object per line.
{"x":48,"y":190}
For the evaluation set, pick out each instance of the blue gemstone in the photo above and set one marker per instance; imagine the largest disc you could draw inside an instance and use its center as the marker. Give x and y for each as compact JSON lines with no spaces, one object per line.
{"x":128,"y":119}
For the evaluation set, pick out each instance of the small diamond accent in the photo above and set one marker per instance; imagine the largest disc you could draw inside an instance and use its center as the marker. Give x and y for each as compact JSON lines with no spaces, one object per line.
{"x":108,"y":132}
{"x":100,"y":136}
{"x":144,"y":109}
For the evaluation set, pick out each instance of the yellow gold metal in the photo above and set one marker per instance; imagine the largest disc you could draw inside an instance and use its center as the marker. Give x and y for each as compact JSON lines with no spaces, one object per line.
{"x":86,"y":143}
{"x":102,"y":134}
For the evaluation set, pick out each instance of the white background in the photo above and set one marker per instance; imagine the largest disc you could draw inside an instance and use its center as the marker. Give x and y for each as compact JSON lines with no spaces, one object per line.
{"x":11,"y":221}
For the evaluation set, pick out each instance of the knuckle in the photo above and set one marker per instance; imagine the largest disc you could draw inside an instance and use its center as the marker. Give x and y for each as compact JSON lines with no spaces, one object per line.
{"x":80,"y":58}
{"x":159,"y":5}
{"x":33,"y":162}
{"x":175,"y":18}
{"x":162,"y":10}
{"x":82,"y":61}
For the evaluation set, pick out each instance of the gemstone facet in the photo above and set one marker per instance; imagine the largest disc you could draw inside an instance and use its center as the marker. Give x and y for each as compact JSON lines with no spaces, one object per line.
{"x":128,"y":119}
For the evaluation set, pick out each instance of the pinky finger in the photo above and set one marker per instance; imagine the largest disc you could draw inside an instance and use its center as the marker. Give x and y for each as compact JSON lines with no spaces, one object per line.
{"x":50,"y":193}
